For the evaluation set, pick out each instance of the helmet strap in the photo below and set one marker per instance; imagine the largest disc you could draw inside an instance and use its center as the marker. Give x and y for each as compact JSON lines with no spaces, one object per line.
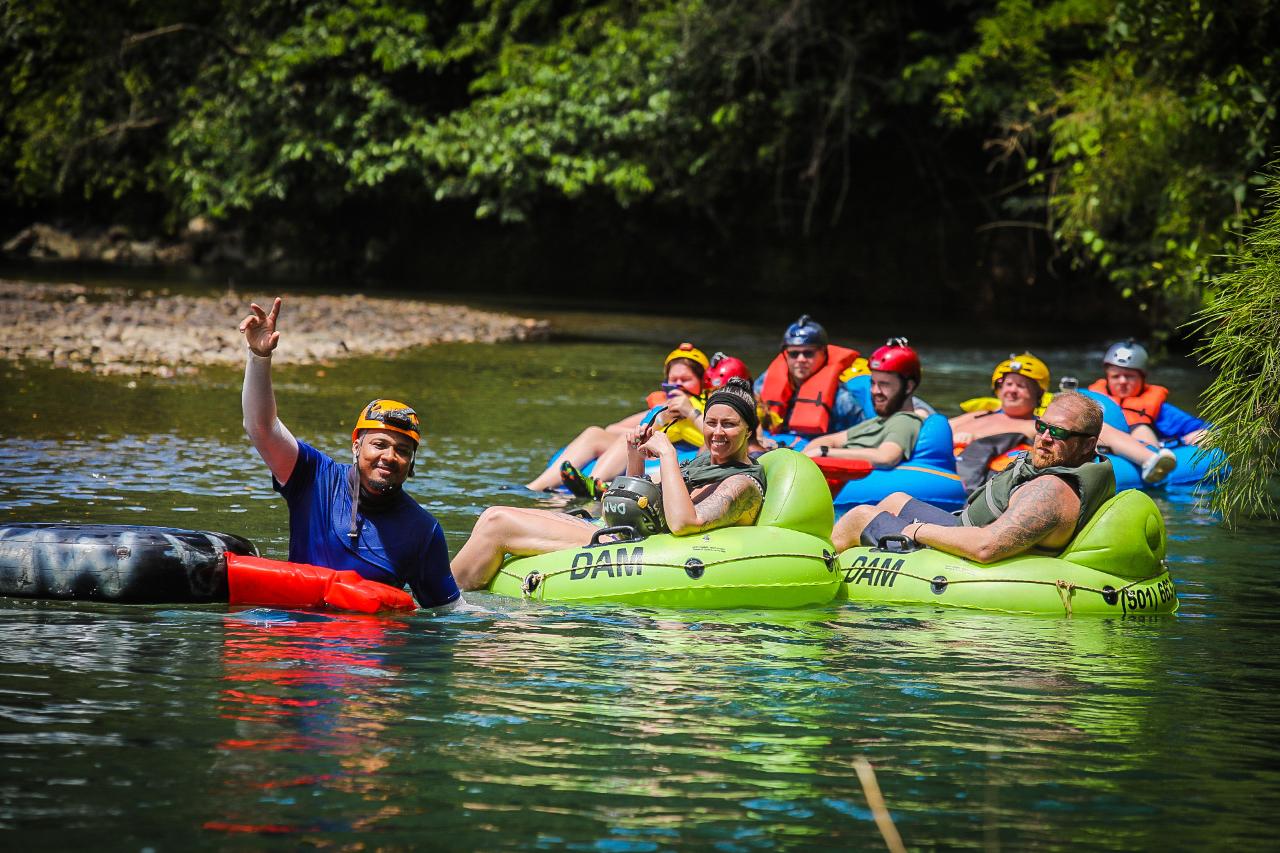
{"x":371,"y":497}
{"x":353,"y":480}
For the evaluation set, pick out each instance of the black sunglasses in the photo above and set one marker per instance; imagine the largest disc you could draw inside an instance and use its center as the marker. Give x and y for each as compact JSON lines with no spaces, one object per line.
{"x":801,"y":353}
{"x":1061,"y":433}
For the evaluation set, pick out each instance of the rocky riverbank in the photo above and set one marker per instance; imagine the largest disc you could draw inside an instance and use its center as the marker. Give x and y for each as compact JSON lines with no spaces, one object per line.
{"x":117,"y":331}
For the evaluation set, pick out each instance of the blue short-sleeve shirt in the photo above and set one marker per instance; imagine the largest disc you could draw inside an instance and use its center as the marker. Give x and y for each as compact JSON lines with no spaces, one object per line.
{"x":396,"y":544}
{"x":1174,"y":423}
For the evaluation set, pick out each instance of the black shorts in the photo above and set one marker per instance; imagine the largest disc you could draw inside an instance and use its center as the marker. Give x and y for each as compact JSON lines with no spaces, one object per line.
{"x":888,"y":524}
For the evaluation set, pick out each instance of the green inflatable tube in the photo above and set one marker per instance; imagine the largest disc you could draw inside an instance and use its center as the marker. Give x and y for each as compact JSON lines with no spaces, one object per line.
{"x":1114,"y":566}
{"x":784,"y":560}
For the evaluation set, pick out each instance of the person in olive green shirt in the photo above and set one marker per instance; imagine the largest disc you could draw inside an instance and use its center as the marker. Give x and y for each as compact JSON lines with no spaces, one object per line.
{"x":1035,"y":505}
{"x":890,"y":437}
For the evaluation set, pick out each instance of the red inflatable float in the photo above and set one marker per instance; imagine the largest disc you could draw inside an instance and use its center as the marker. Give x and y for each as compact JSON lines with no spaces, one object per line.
{"x":272,"y":583}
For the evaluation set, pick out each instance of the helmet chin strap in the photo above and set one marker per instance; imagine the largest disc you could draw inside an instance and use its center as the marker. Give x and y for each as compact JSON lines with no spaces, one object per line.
{"x":358,"y":490}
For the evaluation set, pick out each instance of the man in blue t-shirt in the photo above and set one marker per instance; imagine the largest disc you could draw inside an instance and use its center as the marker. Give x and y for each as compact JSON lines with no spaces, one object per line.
{"x":348,"y":517}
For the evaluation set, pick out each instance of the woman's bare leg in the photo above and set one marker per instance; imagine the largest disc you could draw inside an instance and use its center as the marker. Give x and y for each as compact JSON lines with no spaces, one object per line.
{"x":503,"y":530}
{"x":612,"y":462}
{"x":589,"y":444}
{"x":627,"y":423}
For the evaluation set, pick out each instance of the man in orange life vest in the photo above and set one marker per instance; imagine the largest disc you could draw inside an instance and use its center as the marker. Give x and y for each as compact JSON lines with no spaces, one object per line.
{"x":801,"y":389}
{"x":1150,"y":417}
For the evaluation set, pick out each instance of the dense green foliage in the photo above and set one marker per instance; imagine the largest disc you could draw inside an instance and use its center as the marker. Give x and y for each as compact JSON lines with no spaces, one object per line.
{"x":1123,"y":133}
{"x":1139,"y":123}
{"x":1241,"y":323}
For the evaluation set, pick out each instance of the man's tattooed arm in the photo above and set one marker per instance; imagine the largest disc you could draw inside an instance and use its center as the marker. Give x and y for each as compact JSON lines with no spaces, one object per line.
{"x":1040,"y":513}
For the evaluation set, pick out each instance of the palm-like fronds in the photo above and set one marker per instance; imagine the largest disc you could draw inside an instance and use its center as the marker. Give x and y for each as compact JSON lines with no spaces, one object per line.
{"x":1241,"y":327}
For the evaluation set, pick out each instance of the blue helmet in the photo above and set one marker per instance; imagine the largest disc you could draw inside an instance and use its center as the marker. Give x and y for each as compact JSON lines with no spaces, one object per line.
{"x":804,"y":331}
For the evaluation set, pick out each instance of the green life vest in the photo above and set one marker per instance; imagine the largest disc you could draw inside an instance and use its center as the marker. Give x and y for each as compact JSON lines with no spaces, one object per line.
{"x":1093,"y":482}
{"x":701,"y":471}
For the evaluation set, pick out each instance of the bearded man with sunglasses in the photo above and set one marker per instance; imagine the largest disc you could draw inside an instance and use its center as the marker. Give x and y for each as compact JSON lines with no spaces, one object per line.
{"x":348,"y":517}
{"x":1035,"y":505}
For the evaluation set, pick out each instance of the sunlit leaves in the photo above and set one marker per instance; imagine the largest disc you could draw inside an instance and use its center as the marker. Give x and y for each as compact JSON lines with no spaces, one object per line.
{"x":1148,"y":133}
{"x":1241,"y":322}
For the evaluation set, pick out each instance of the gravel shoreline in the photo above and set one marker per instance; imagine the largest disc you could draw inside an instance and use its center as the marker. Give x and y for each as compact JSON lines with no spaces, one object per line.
{"x":113,"y":331}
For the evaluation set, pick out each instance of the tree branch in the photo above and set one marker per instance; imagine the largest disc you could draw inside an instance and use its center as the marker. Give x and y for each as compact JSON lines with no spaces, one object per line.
{"x":1012,"y":223}
{"x":133,"y":40}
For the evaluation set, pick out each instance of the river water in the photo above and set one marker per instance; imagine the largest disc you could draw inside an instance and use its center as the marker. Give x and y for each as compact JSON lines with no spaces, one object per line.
{"x":611,"y":729}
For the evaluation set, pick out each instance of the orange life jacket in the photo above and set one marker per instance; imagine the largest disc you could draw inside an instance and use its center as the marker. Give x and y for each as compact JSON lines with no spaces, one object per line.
{"x":807,"y":412}
{"x":1142,"y":408}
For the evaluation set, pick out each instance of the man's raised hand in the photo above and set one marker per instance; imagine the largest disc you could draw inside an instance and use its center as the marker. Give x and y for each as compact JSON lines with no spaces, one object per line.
{"x":259,"y":328}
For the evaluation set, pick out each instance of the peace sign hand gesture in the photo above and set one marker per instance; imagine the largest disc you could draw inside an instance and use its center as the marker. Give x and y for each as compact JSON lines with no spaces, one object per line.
{"x":259,"y":329}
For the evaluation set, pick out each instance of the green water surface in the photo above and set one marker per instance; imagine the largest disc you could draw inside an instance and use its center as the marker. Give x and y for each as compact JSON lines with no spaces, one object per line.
{"x":617,"y":729}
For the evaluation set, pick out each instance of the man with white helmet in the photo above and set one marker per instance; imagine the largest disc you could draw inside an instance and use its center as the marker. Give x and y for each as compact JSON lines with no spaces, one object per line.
{"x":348,"y":517}
{"x":1149,"y":414}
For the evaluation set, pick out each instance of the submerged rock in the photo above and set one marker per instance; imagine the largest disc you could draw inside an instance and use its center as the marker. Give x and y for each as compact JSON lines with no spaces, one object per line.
{"x":117,"y":332}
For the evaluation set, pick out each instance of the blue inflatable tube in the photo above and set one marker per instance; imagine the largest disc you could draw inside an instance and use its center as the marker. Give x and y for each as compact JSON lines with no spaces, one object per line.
{"x":1193,"y":466}
{"x":927,"y":483}
{"x":929,"y":475}
{"x":1193,"y":470}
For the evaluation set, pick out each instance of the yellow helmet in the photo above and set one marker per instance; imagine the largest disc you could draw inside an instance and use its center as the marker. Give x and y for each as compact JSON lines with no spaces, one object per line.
{"x":389,"y":414}
{"x":689,"y":351}
{"x":1026,"y":365}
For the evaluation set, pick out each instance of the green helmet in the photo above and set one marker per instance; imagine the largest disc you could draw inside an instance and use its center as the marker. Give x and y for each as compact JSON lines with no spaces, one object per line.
{"x":634,"y":502}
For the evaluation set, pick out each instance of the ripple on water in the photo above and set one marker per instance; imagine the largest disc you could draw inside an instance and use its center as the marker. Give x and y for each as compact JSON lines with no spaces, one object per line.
{"x":508,"y":725}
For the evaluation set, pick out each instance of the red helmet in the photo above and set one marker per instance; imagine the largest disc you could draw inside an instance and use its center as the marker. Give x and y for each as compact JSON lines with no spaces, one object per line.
{"x":723,"y":368}
{"x":896,"y":357}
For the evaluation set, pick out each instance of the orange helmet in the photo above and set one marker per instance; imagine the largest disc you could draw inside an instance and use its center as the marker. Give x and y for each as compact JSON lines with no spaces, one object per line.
{"x":689,"y":351}
{"x":389,"y":414}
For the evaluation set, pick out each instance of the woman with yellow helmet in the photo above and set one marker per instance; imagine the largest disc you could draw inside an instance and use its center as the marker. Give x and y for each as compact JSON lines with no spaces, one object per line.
{"x":682,"y":402}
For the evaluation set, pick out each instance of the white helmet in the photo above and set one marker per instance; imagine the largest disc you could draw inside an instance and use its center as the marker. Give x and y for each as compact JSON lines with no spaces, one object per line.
{"x":1130,"y":354}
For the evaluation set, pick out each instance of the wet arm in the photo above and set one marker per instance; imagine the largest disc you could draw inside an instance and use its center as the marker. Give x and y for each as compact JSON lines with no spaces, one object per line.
{"x":1037,"y":510}
{"x":272,"y":439}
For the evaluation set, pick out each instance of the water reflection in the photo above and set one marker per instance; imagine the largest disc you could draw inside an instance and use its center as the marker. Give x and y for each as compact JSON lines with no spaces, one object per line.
{"x":310,"y":701}
{"x":517,"y":726}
